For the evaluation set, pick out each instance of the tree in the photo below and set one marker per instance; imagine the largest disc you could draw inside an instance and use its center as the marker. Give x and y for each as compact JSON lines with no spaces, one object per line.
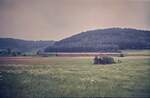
{"x":9,"y":51}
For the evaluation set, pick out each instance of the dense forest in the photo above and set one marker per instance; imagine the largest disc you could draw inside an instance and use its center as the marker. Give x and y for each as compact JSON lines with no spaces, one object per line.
{"x":112,"y":39}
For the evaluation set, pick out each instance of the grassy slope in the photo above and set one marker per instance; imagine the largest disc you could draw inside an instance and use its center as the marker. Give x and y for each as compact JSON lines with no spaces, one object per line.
{"x":65,"y":76}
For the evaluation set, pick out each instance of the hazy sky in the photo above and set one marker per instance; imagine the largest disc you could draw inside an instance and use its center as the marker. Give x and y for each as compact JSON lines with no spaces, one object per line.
{"x":57,"y":19}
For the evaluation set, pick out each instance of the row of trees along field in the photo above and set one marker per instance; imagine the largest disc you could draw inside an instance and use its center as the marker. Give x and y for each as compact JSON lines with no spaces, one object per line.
{"x":9,"y":52}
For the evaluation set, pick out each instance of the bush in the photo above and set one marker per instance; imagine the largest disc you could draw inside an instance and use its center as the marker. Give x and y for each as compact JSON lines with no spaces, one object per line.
{"x":107,"y":60}
{"x":122,"y":55}
{"x":104,"y":60}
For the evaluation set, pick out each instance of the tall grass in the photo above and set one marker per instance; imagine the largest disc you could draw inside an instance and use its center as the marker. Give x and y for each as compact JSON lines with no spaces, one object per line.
{"x":76,"y":77}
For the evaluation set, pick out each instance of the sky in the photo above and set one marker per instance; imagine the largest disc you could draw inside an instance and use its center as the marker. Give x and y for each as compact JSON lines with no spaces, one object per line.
{"x":58,"y":19}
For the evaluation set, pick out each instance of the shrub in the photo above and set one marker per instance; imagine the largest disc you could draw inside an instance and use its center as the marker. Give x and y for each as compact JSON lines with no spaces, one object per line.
{"x":122,"y":55}
{"x":14,"y":54}
{"x":96,"y":60}
{"x":107,"y":60}
{"x":104,"y":60}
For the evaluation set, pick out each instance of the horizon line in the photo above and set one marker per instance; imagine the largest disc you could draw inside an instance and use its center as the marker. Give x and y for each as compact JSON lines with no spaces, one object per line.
{"x":75,"y":34}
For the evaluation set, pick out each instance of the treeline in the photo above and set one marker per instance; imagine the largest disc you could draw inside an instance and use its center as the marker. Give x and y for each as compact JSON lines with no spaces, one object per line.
{"x":82,"y":49}
{"x":9,"y":52}
{"x":113,"y":39}
{"x":24,"y":45}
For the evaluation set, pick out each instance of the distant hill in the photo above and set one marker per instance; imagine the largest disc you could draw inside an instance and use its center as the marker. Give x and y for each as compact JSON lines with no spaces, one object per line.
{"x":112,"y":39}
{"x":24,"y":45}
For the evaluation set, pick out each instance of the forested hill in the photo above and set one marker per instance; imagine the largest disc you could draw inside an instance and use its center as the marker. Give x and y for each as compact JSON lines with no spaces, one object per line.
{"x":111,"y":39}
{"x":23,"y":45}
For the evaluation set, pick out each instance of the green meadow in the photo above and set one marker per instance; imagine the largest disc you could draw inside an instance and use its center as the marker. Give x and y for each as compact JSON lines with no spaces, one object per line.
{"x":44,"y":77}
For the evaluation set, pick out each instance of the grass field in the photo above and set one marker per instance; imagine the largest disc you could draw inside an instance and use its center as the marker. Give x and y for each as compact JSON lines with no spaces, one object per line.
{"x":137,"y":52}
{"x":39,"y":77}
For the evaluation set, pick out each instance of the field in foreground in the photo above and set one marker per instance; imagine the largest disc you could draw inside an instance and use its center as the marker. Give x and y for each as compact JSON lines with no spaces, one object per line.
{"x":39,"y":77}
